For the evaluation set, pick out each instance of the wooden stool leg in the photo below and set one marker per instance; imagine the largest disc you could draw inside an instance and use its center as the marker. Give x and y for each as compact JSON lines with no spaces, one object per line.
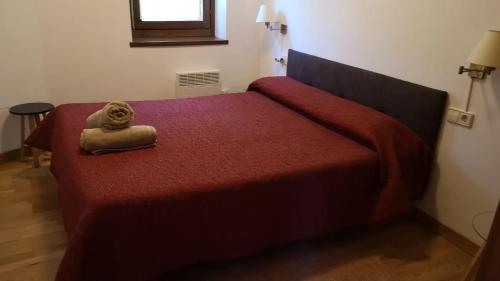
{"x":34,"y":150}
{"x":37,"y":120}
{"x":23,"y":137}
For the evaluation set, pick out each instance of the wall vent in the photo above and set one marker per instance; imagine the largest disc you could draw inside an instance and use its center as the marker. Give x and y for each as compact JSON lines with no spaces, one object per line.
{"x":198,"y":83}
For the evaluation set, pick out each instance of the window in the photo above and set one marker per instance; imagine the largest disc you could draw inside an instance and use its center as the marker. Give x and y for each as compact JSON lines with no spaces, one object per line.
{"x":170,"y":22}
{"x":171,"y":10}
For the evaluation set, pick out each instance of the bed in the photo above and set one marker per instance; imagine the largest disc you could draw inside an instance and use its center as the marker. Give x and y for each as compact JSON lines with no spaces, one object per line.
{"x":326,"y":148}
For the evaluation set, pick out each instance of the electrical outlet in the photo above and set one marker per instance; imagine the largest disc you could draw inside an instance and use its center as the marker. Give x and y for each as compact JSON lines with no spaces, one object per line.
{"x":460,"y":117}
{"x":465,"y":119}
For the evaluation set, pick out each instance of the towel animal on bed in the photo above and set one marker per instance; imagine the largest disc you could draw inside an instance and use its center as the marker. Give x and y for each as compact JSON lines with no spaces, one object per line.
{"x":108,"y":130}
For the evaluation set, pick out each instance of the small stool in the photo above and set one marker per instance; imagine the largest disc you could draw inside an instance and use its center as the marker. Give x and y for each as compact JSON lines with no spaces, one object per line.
{"x":33,"y":112}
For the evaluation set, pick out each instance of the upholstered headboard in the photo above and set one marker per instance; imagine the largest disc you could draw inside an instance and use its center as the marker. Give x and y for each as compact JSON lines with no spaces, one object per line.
{"x":418,"y":107}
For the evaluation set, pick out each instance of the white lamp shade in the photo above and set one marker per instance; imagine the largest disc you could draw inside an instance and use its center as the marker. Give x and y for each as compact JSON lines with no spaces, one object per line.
{"x":487,"y":52}
{"x":263,"y":15}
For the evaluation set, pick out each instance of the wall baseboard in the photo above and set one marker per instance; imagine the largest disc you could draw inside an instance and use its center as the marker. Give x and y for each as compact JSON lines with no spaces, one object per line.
{"x":10,"y":156}
{"x":449,"y":234}
{"x":14,"y":155}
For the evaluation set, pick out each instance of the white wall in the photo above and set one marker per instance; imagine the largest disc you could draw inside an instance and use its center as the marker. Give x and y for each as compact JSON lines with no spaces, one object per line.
{"x":22,"y":76}
{"x":424,"y":42}
{"x":78,"y":51}
{"x":89,"y":55}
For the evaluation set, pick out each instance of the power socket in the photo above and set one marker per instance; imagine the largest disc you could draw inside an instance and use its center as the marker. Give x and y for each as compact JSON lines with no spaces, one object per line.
{"x":460,"y":117}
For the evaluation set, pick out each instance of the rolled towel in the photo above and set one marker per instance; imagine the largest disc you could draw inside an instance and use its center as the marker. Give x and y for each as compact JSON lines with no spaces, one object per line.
{"x":100,"y":140}
{"x":115,"y":115}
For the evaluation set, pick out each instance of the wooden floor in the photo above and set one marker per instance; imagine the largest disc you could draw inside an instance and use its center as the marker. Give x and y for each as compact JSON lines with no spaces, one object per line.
{"x":32,"y":243}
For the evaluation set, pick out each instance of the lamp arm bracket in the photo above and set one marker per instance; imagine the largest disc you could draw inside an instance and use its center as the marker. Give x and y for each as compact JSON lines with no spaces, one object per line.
{"x":476,"y":71}
{"x":283,"y":28}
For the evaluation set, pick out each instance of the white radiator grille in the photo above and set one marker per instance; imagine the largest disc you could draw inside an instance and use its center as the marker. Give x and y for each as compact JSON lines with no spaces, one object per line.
{"x":192,"y":84}
{"x":198,"y":79}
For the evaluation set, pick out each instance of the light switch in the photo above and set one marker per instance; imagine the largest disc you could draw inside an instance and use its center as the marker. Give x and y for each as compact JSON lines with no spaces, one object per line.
{"x":452,"y":115}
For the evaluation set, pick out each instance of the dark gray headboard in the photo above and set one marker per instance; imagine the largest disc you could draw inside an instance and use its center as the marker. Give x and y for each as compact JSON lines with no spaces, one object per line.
{"x":419,"y":107}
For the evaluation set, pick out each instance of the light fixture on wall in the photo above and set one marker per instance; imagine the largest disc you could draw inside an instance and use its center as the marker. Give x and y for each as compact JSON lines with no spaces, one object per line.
{"x":265,"y":17}
{"x":485,"y":57}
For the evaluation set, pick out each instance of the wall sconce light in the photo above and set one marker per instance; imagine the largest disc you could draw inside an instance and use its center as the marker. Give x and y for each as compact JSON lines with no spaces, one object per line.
{"x":265,"y":17}
{"x":485,"y":57}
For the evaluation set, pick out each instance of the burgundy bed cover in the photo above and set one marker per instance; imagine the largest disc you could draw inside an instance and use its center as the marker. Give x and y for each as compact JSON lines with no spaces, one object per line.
{"x":231,"y":175}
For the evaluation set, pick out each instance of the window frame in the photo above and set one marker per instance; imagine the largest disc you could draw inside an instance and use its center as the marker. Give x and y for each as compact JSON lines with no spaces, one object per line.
{"x":173,"y":29}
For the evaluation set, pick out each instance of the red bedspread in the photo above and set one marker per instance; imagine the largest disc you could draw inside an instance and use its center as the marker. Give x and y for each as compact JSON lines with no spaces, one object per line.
{"x":405,"y":160}
{"x":231,"y":175}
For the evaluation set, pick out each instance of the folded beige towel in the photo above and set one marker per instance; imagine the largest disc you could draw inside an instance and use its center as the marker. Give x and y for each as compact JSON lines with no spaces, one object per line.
{"x":100,"y":140}
{"x":114,"y":115}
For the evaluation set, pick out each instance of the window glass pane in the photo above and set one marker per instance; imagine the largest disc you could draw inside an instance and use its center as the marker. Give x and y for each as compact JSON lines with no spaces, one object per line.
{"x":171,"y":10}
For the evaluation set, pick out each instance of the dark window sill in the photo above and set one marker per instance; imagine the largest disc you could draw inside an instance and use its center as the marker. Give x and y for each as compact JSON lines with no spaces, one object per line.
{"x":180,"y":41}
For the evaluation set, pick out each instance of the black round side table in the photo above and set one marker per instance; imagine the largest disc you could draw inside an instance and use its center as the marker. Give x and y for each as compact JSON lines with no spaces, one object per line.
{"x":33,"y":111}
